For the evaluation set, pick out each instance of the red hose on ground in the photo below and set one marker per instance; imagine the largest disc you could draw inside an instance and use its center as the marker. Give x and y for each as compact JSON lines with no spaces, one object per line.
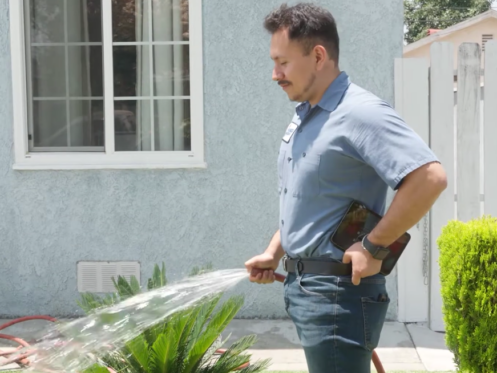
{"x":21,"y":359}
{"x":377,"y":363}
{"x":376,"y":360}
{"x":5,"y":353}
{"x":22,"y":342}
{"x":27,"y":318}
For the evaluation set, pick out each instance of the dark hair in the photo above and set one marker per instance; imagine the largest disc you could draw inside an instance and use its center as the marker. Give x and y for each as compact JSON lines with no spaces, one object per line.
{"x":307,"y":23}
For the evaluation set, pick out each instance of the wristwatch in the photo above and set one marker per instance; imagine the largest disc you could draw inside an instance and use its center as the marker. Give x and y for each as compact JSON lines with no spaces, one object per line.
{"x":377,"y":252}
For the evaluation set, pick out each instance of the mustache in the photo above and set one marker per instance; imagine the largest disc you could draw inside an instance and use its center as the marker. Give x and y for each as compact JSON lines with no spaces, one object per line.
{"x":284,"y":82}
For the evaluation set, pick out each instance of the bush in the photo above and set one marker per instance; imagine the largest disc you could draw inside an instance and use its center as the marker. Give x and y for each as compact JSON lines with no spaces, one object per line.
{"x":188,"y":341}
{"x":468,"y":275}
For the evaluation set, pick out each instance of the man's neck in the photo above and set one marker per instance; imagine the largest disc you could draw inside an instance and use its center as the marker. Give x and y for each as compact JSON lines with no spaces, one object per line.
{"x":324,"y":82}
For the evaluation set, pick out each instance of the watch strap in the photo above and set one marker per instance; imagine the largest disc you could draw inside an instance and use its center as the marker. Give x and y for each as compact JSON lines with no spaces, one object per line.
{"x":378,"y":252}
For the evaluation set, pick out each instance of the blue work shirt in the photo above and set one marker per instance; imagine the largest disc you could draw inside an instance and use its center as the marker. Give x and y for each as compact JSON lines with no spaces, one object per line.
{"x":350,"y":146}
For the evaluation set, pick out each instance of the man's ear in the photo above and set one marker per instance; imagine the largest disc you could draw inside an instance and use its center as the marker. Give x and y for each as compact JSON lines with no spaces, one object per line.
{"x":320,"y":56}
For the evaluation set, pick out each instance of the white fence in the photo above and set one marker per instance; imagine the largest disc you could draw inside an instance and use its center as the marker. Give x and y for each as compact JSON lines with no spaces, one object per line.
{"x":456,"y":114}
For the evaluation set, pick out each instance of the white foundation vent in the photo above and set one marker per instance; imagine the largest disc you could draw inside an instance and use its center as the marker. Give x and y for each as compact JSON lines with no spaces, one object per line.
{"x":96,"y":277}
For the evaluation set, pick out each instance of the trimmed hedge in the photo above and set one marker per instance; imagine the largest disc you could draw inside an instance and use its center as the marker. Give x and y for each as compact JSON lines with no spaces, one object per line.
{"x":468,"y":275}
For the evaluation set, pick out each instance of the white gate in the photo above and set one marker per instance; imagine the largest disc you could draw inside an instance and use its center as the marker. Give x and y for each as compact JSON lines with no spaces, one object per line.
{"x":455,"y":112}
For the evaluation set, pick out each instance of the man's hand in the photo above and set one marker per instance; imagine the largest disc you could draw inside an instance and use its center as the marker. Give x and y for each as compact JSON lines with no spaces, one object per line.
{"x":363,"y":263}
{"x":266,"y":262}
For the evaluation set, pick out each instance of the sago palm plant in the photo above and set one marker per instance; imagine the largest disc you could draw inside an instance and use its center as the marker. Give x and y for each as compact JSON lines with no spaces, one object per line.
{"x":188,"y":341}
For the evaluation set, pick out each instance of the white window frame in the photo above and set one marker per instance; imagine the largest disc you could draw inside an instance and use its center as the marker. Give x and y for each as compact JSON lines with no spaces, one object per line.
{"x":108,"y":159}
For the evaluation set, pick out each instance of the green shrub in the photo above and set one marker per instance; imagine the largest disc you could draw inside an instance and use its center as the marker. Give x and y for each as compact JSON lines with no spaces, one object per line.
{"x":468,"y":275}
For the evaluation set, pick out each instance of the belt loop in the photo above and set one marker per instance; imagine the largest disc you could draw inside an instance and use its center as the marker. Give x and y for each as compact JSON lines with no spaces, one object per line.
{"x":298,"y":267}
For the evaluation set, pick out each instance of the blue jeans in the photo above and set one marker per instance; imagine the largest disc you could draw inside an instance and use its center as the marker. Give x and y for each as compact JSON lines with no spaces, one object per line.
{"x":338,"y":323}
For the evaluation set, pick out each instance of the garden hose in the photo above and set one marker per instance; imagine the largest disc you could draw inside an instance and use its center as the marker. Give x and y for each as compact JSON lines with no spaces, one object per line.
{"x":21,"y":359}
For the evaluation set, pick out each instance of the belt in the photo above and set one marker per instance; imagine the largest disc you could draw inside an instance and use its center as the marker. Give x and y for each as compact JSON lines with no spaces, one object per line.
{"x":316,"y":267}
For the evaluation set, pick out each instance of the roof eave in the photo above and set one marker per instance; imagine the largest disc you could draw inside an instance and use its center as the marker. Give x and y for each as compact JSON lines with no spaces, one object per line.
{"x":443,"y":33}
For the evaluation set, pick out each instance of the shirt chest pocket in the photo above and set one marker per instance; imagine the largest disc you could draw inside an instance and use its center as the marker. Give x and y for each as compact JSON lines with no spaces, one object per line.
{"x":305,"y":176}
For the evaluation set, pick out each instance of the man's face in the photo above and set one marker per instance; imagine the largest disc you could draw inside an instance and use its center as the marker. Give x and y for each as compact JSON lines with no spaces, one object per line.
{"x":294,"y":72}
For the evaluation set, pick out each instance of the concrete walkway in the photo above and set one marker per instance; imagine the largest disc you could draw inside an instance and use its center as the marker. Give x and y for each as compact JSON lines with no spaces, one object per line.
{"x":402,"y":347}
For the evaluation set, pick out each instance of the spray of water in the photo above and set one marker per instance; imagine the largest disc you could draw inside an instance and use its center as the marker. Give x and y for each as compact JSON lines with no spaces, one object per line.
{"x":74,"y":346}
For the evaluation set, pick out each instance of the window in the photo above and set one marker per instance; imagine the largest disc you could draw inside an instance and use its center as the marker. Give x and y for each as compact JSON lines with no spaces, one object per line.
{"x":107,"y":83}
{"x":484,"y":39}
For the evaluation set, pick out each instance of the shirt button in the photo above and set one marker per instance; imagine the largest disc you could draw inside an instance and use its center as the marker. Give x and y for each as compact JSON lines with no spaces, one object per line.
{"x":303,"y":155}
{"x":285,"y":190}
{"x":289,"y":159}
{"x":282,"y":222}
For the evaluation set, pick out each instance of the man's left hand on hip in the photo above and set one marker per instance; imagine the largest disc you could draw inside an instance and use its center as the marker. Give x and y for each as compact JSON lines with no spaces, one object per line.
{"x":363,"y":263}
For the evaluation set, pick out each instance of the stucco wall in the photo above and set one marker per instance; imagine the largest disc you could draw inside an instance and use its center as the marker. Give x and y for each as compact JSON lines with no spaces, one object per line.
{"x":224,"y":214}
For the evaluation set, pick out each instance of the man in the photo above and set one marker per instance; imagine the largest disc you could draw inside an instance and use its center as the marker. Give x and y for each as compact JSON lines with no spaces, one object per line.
{"x":343,"y":144}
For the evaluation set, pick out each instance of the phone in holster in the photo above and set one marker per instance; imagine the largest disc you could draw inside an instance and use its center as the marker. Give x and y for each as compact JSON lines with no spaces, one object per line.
{"x":357,"y":222}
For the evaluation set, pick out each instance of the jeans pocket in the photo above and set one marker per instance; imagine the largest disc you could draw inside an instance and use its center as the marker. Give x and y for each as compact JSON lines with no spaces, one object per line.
{"x":374,"y":313}
{"x":317,"y":285}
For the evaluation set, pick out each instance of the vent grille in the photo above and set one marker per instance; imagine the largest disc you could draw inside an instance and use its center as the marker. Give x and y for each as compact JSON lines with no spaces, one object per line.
{"x":96,"y":277}
{"x":484,"y":39}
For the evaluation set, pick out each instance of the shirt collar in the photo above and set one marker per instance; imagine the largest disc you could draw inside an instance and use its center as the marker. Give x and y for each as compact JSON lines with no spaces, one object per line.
{"x":332,"y":95}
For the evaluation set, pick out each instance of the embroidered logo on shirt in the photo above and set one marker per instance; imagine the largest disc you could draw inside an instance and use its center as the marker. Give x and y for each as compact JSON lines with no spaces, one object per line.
{"x":289,"y":132}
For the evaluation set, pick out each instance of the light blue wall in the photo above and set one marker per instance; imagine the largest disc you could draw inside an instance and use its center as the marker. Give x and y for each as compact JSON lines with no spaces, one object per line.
{"x":224,"y":214}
